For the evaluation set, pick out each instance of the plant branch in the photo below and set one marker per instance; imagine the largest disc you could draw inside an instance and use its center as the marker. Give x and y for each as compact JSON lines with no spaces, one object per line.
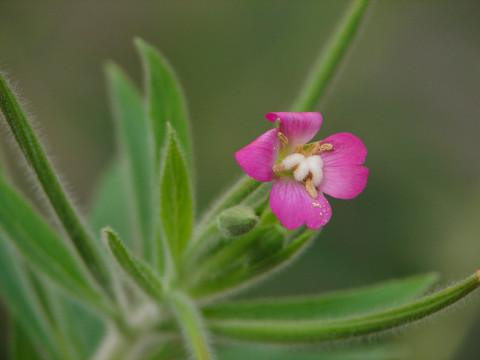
{"x":35,"y":156}
{"x":191,"y":324}
{"x":329,"y":60}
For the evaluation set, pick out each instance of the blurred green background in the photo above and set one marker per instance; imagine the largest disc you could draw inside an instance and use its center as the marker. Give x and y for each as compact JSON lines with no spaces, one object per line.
{"x":409,"y":89}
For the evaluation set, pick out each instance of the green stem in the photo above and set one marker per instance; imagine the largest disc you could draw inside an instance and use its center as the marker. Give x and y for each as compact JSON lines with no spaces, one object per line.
{"x":34,"y":154}
{"x":329,"y":60}
{"x":191,"y":324}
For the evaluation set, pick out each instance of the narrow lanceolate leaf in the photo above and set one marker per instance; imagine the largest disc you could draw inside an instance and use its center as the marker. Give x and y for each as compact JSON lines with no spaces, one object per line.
{"x":244,"y":275}
{"x":21,"y":347}
{"x":23,"y":304}
{"x":86,"y":246}
{"x":136,"y":145}
{"x":274,"y":352}
{"x":317,"y":330}
{"x":327,"y":306}
{"x":165,"y":101}
{"x":330,"y":60}
{"x":140,"y":272}
{"x":190,"y":322}
{"x":176,"y":198}
{"x":42,"y":247}
{"x":110,"y":205}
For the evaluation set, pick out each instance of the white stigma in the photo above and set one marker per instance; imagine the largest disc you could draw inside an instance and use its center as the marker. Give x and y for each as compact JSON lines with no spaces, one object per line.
{"x":305,"y":166}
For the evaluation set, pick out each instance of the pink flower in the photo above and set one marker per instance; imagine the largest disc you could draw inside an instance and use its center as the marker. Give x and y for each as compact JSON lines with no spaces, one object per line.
{"x":302,"y":171}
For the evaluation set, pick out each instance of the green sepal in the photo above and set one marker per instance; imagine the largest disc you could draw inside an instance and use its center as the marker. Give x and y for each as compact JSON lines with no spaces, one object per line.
{"x":318,"y":330}
{"x":237,"y":221}
{"x":139,"y":271}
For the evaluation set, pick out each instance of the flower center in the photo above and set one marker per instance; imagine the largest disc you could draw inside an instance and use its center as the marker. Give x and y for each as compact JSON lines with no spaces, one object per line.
{"x":307,"y":166}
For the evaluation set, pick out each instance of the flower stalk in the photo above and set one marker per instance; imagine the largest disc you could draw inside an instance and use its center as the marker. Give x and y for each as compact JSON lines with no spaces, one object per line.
{"x":329,"y":60}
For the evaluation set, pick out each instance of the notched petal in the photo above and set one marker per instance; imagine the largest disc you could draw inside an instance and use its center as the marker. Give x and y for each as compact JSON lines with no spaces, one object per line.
{"x":344,"y":182}
{"x":259,"y":157}
{"x":293,"y":206}
{"x":299,"y":128}
{"x":347,"y":150}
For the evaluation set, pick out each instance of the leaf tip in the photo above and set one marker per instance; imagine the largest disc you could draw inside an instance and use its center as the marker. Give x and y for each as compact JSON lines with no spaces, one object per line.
{"x":111,"y":234}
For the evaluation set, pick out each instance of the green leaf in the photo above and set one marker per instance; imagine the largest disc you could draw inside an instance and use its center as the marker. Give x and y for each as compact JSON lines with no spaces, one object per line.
{"x":244,"y":275}
{"x":23,"y":304}
{"x":42,"y":247}
{"x":329,"y":61}
{"x":275,"y":352}
{"x":324,"y":329}
{"x":52,"y":304}
{"x":83,"y":327}
{"x":140,"y":272}
{"x":21,"y":346}
{"x":136,"y":145}
{"x":86,"y":246}
{"x":169,"y":350}
{"x":327,"y":306}
{"x":110,"y":206}
{"x":176,"y":198}
{"x":165,"y":100}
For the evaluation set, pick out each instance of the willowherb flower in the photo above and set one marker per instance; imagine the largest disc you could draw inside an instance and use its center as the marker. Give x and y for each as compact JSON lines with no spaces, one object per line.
{"x":304,"y":171}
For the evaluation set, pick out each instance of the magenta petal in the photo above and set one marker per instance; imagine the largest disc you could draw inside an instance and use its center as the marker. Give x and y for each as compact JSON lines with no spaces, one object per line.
{"x":258,"y":158}
{"x":299,"y":128}
{"x":344,"y":182}
{"x":293,"y":206}
{"x":348,"y":150}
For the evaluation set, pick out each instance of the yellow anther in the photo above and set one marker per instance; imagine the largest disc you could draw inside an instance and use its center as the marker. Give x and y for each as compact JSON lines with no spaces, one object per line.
{"x":283,"y":139}
{"x":312,"y":191}
{"x":299,"y":149}
{"x":278,"y":167}
{"x":313,"y":149}
{"x":326,"y":147}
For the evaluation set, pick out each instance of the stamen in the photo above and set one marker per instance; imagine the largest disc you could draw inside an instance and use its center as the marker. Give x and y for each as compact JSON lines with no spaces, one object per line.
{"x":313,"y":149}
{"x":283,"y":139}
{"x":299,"y":149}
{"x":278,"y":167}
{"x":312,"y":191}
{"x":326,"y":147}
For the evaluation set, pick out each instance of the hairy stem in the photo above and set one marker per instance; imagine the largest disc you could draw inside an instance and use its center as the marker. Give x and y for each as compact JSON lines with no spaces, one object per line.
{"x":329,"y":60}
{"x":191,"y":324}
{"x":35,"y":156}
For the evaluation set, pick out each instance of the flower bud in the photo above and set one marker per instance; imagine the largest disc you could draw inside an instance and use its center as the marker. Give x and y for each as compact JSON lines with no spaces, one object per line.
{"x":237,"y":220}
